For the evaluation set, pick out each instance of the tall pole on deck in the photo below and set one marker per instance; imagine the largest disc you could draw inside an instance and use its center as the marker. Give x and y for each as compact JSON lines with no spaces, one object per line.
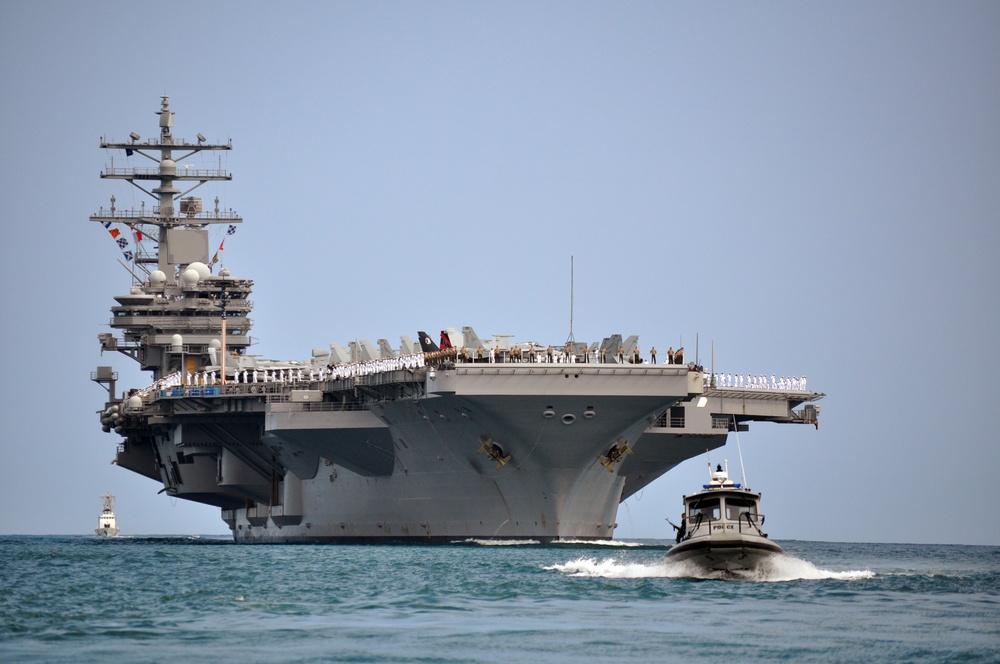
{"x":223,"y":361}
{"x":570,"y":338}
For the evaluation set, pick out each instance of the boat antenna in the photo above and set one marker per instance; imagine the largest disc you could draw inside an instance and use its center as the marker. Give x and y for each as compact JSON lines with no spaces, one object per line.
{"x":570,"y":338}
{"x":743,"y":470}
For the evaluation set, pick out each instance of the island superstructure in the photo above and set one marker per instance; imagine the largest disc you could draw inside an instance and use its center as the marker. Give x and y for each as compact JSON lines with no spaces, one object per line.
{"x":464,"y":438}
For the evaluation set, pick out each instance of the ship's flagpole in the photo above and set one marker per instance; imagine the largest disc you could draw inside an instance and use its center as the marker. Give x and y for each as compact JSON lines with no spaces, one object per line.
{"x":129,"y":270}
{"x":223,"y":360}
{"x":570,"y":338}
{"x":223,"y":367}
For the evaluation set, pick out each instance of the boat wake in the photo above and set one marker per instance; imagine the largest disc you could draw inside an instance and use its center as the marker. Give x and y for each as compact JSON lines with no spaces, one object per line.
{"x":610,"y":543}
{"x":565,"y":543}
{"x":778,"y":568}
{"x":497,"y":542}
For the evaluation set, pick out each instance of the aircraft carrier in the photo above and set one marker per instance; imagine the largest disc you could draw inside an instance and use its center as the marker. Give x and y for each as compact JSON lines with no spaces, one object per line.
{"x":433,"y":441}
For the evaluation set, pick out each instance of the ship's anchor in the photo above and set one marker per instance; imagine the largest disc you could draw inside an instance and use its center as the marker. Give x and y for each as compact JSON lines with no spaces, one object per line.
{"x":615,"y":454}
{"x":494,"y":452}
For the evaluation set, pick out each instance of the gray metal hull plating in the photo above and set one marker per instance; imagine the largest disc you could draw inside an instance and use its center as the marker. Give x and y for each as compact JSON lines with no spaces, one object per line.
{"x":420,"y":468}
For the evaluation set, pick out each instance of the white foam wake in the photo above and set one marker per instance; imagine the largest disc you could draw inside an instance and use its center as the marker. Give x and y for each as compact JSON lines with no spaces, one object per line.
{"x":790,"y":568}
{"x":611,"y":568}
{"x":520,"y":542}
{"x":611,"y":543}
{"x":496,"y":542}
{"x":778,"y":568}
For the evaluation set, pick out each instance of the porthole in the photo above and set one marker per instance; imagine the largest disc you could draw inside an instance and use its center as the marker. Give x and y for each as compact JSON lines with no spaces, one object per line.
{"x":568,"y":418}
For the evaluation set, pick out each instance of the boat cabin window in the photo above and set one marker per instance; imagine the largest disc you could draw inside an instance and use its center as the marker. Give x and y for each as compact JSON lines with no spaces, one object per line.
{"x":708,"y":508}
{"x":737,"y":507}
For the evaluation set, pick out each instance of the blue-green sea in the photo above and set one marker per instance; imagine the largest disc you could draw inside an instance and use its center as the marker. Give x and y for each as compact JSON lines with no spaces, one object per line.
{"x":179,"y":599}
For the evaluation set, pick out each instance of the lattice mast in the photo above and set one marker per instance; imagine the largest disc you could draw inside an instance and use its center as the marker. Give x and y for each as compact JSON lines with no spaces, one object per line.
{"x":173,"y":209}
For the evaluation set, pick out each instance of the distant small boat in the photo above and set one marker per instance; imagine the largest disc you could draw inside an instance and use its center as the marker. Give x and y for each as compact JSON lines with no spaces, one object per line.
{"x":721,"y":528}
{"x":106,"y":524}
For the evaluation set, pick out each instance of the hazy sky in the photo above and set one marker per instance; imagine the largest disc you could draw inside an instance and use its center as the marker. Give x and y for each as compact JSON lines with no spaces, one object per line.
{"x":815,"y":187}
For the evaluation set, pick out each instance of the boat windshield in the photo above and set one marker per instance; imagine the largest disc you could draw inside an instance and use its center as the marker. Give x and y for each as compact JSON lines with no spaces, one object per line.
{"x":707,"y":508}
{"x":736,"y":507}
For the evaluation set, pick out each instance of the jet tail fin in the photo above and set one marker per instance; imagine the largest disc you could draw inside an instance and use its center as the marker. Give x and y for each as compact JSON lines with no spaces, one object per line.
{"x":427,"y":345}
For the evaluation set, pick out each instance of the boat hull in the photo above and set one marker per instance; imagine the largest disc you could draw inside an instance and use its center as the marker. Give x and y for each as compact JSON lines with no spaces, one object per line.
{"x":728,"y":554}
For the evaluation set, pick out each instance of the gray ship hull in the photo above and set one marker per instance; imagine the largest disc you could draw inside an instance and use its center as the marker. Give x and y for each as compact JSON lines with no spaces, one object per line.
{"x":479,"y":454}
{"x":462,"y":457}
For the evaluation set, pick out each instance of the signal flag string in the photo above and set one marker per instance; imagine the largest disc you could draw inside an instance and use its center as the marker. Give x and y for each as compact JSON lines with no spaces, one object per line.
{"x":222,"y":245}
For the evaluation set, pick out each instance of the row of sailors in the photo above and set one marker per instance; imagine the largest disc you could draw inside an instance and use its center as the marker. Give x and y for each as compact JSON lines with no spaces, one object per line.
{"x":336,"y":372}
{"x":410,"y":362}
{"x":173,"y":380}
{"x":550,"y":356}
{"x":416,"y":360}
{"x":291,"y":374}
{"x":758,"y":381}
{"x":340,"y":371}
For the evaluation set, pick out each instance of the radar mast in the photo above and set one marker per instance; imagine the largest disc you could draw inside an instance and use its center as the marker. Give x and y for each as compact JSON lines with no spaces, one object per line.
{"x":177,"y":217}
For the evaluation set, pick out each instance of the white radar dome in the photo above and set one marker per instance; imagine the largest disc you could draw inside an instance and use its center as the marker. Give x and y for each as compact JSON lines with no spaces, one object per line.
{"x":176,"y":343}
{"x":157,"y":278}
{"x":224,"y":272}
{"x":190,"y":277}
{"x":168,"y":167}
{"x":215,"y":343}
{"x":201,"y":268}
{"x":135,"y":402}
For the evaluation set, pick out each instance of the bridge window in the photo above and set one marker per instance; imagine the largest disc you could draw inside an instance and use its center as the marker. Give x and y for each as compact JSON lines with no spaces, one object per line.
{"x":708,"y":508}
{"x":737,"y":507}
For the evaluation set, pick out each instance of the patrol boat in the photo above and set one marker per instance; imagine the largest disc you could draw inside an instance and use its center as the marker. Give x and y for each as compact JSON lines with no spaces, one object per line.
{"x":106,"y":524}
{"x":472,"y":437}
{"x":721,"y":527}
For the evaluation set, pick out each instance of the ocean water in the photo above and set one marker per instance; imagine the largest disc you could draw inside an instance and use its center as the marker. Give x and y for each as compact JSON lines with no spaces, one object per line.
{"x":174,"y":599}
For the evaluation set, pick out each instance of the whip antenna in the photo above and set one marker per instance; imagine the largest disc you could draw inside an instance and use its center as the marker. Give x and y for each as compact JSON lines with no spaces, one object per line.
{"x":570,"y":338}
{"x":740,"y":451}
